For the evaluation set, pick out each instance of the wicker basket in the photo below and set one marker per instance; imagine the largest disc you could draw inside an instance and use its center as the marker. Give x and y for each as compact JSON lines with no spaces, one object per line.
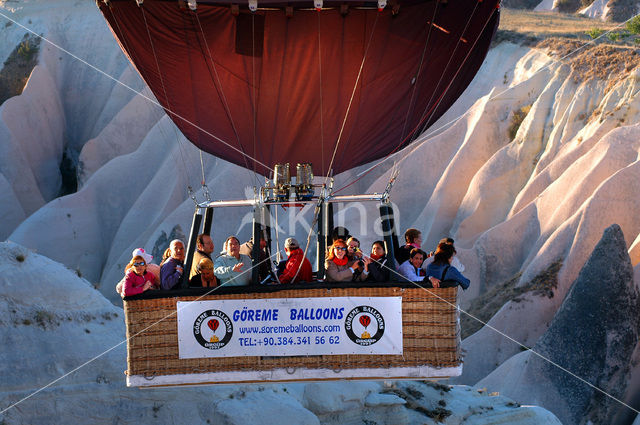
{"x":431,"y":339}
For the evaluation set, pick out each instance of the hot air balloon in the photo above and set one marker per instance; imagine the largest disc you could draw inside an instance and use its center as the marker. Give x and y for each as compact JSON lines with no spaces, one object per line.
{"x":287,"y":83}
{"x":267,"y":83}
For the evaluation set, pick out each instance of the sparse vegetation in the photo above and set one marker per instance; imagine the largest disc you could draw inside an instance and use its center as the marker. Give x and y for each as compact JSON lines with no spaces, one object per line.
{"x":595,"y":32}
{"x":19,"y":258}
{"x":633,"y":26}
{"x":18,"y":66}
{"x":516,"y":120}
{"x":485,"y":306}
{"x":44,"y":318}
{"x":602,"y":61}
{"x":613,"y":36}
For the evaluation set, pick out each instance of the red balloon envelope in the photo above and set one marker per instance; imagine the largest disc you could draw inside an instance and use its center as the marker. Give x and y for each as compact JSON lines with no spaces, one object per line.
{"x":365,"y":320}
{"x":213,"y":324}
{"x":290,"y":84}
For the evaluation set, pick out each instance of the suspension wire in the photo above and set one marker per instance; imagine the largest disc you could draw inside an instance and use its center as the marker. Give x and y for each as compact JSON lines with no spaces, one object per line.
{"x":419,"y":73}
{"x":444,"y":70}
{"x":128,"y":87}
{"x":219,"y":87}
{"x":166,"y":99}
{"x":353,"y":92}
{"x":321,"y":103}
{"x":541,"y":356}
{"x":127,"y":339}
{"x":278,"y":253}
{"x":425,"y":116}
{"x":253,"y":87}
{"x":443,"y":127}
{"x":393,"y":271}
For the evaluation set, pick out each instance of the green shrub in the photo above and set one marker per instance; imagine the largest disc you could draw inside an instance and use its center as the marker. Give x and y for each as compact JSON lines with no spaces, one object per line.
{"x":633,"y":26}
{"x":613,"y":36}
{"x":594,"y":33}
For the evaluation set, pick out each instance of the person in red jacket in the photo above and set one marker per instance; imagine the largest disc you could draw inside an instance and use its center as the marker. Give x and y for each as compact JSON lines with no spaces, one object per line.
{"x":296,"y":261}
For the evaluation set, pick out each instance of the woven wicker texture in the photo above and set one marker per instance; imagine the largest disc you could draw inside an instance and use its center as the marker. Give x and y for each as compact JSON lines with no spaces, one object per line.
{"x":431,"y":334}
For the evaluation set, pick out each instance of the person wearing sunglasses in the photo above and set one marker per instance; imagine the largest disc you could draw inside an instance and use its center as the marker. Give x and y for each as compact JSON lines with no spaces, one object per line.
{"x":137,"y":278}
{"x":340,"y":269}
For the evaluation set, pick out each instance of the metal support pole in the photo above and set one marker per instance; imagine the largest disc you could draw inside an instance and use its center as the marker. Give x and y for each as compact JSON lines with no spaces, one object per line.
{"x":267,"y":229}
{"x":191,"y":246}
{"x":386,"y":216}
{"x":321,"y":243}
{"x":208,"y":221}
{"x":329,"y":224}
{"x":255,"y":253}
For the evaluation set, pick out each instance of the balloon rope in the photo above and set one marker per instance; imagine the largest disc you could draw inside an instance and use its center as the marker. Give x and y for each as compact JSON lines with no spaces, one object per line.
{"x":353,"y":92}
{"x":217,"y":84}
{"x":166,"y":97}
{"x":321,"y":103}
{"x":444,"y":70}
{"x":425,"y":116}
{"x":419,"y":72}
{"x":253,"y":84}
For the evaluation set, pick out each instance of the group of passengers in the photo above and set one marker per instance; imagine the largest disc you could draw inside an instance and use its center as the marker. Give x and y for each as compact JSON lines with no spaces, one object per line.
{"x":344,"y":262}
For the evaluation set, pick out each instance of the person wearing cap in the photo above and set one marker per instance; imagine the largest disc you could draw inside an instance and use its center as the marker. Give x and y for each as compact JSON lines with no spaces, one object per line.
{"x":205,"y":277}
{"x":204,"y":248}
{"x":137,"y":278}
{"x":233,"y":268}
{"x":173,"y":267}
{"x":154,"y":269}
{"x":298,"y":268}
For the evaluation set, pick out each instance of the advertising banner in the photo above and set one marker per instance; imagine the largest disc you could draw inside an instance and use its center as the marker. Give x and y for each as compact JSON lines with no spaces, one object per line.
{"x":290,"y":327}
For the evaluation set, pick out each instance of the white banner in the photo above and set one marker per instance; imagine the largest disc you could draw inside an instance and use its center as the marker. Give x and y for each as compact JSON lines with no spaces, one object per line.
{"x":290,"y":327}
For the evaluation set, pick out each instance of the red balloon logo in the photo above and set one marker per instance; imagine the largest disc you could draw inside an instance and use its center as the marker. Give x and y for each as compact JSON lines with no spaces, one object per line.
{"x":213,"y":324}
{"x":365,"y":320}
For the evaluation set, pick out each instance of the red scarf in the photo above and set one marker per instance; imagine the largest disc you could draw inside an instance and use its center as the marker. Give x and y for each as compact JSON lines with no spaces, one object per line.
{"x":376,"y":257}
{"x":342,"y":262}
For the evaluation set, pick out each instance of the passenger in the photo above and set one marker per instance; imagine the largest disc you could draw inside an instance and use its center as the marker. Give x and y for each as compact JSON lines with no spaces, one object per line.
{"x":340,"y":232}
{"x":378,"y":269}
{"x":152,"y":268}
{"x":233,"y":268}
{"x":412,"y":268}
{"x":353,"y":249}
{"x":298,"y":267}
{"x":413,"y":239}
{"x":263,"y":263}
{"x":205,"y":277}
{"x":172,"y":269}
{"x":455,"y":262}
{"x":446,"y":275}
{"x":204,"y":248}
{"x":340,"y":269}
{"x":137,"y":278}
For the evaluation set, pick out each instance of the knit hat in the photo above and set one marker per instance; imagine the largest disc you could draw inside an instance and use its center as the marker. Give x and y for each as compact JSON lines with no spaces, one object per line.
{"x":139,"y":252}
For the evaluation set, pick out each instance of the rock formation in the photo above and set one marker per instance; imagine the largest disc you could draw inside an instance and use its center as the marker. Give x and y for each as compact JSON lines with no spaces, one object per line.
{"x":592,"y":336}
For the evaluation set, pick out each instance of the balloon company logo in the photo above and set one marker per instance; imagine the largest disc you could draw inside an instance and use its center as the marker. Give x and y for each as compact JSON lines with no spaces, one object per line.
{"x":213,"y":329}
{"x":364,"y":325}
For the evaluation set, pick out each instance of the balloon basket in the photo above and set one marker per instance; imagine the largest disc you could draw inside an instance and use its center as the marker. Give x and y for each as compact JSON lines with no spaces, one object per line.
{"x":430,"y":338}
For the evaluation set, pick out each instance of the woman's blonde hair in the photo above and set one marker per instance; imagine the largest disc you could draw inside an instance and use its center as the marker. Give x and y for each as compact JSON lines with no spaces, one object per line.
{"x":205,"y":264}
{"x":134,"y":260}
